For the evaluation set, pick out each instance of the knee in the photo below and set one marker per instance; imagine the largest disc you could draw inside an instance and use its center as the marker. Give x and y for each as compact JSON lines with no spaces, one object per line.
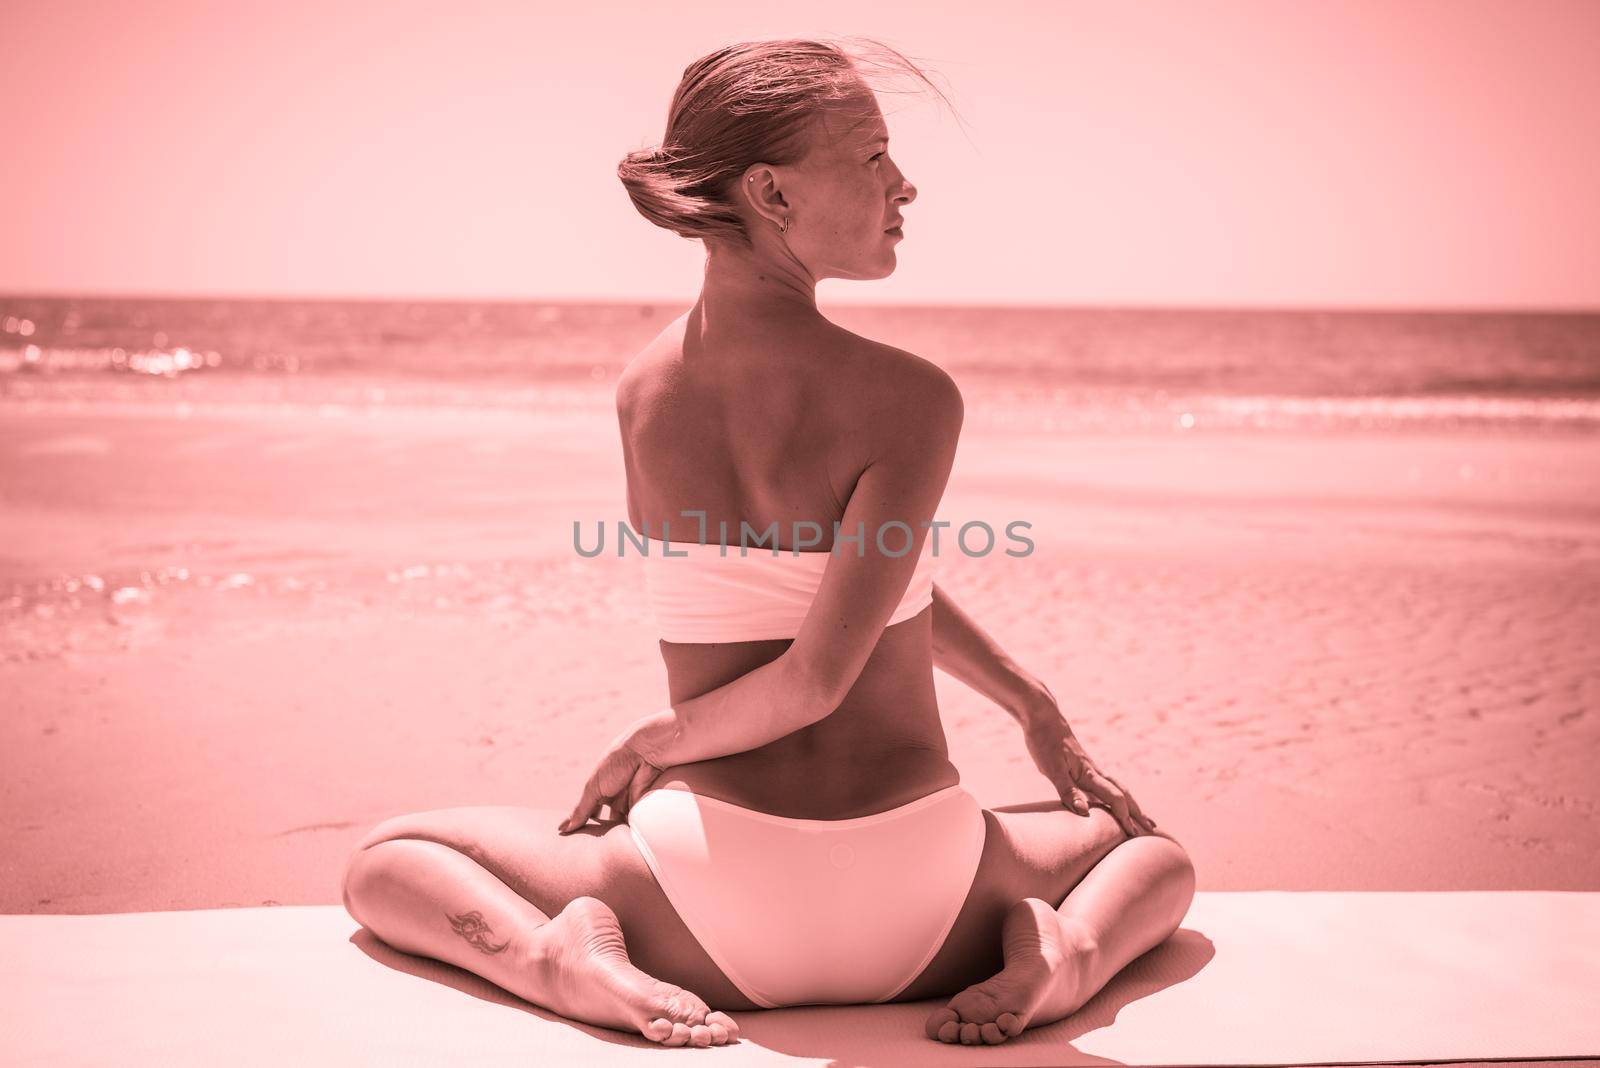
{"x":1175,"y":870}
{"x":374,"y":873}
{"x":358,"y":872}
{"x":364,"y":865}
{"x":1161,"y":859}
{"x":351,"y":881}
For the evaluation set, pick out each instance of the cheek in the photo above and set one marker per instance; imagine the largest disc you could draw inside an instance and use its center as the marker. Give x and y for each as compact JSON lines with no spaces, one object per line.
{"x":863,"y":207}
{"x":849,"y":211}
{"x":849,"y":202}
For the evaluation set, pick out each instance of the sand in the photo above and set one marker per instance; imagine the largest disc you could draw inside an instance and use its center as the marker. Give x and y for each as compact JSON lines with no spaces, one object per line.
{"x":232,"y":637}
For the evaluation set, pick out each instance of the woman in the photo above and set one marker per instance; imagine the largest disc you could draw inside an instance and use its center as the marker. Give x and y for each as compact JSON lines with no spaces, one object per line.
{"x":795,"y":832}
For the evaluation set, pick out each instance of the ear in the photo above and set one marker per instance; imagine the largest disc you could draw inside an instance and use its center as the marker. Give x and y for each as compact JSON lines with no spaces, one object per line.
{"x":762,"y":191}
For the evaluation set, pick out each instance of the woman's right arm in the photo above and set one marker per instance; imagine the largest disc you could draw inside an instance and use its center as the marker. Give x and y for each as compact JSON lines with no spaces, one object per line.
{"x":758,"y":707}
{"x":916,"y":420}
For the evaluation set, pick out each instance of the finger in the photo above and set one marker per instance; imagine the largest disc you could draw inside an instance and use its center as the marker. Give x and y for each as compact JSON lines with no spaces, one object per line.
{"x":1137,"y":812}
{"x":1079,"y":801}
{"x":588,"y":805}
{"x":1114,"y":798}
{"x":1134,"y":817}
{"x":1130,"y":826}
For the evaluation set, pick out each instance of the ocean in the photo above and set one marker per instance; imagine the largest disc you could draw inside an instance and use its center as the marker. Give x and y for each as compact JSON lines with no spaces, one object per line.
{"x":1111,"y":369}
{"x":239,"y":456}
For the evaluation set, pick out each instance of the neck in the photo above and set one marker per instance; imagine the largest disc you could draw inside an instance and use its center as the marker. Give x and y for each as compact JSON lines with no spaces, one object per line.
{"x":765,"y":282}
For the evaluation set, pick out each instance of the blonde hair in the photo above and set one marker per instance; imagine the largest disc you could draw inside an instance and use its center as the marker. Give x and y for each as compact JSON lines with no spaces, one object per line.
{"x":747,"y":103}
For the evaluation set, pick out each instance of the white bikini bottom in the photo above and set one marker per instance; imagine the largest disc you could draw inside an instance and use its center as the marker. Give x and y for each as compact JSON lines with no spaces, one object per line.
{"x":813,"y":912}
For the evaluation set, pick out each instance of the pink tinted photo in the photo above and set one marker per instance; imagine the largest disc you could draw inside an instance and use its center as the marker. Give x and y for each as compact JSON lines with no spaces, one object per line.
{"x":535,"y":533}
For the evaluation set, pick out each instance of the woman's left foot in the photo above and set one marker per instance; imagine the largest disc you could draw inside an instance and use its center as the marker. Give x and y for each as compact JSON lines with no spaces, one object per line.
{"x":1041,"y":982}
{"x":585,"y":974}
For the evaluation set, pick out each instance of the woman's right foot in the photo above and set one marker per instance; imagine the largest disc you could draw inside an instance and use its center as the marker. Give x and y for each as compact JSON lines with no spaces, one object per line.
{"x":1041,"y":982}
{"x":584,"y":974}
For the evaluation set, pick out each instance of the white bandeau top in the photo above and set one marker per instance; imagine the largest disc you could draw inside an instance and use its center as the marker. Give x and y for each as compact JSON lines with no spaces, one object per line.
{"x":706,"y":596}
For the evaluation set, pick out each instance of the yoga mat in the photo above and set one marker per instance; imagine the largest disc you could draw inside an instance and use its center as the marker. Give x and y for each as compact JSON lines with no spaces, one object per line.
{"x":1260,"y":977}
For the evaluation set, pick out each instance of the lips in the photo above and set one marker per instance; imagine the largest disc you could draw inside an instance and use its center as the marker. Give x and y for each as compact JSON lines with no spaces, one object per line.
{"x":896,"y":226}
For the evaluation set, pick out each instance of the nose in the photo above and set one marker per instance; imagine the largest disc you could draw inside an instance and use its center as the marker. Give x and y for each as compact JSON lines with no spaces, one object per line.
{"x":908,"y":192}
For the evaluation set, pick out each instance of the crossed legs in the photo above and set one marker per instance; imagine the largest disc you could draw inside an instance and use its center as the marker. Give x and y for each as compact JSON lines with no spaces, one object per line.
{"x":496,"y":891}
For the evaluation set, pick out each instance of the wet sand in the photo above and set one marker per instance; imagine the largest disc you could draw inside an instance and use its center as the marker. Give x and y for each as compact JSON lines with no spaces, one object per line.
{"x":234,"y":636}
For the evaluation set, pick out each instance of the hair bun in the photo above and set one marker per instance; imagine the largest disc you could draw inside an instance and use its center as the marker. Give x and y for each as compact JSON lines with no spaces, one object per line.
{"x":753,"y":101}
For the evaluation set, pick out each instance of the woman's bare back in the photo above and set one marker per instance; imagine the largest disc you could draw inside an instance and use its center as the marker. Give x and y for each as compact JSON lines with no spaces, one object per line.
{"x":761,"y":424}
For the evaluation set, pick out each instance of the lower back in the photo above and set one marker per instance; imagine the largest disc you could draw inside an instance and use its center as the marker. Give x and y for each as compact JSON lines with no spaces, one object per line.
{"x":883,"y":746}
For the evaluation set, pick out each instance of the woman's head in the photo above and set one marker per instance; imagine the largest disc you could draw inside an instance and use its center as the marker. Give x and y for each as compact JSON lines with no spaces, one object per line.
{"x":768,"y":134}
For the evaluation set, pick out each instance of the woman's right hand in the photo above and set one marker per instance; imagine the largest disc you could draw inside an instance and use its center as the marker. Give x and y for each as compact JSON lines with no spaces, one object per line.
{"x":1060,"y":757}
{"x":620,"y":779}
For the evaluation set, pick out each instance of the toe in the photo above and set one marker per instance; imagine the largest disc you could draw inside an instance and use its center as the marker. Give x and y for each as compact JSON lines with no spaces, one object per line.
{"x":719,"y":1034}
{"x":1010,"y":1024}
{"x":679,"y":1036}
{"x":969,"y":1034}
{"x":937,"y":1019}
{"x":992,"y":1034}
{"x":725,"y":1021}
{"x":700,"y":1035}
{"x":687,"y":1007}
{"x":949,"y":1031}
{"x":658,"y":1029}
{"x":976,"y":1004}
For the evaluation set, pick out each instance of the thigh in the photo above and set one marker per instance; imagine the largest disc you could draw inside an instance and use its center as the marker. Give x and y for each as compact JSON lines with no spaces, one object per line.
{"x":521,"y":848}
{"x":1038,"y":850}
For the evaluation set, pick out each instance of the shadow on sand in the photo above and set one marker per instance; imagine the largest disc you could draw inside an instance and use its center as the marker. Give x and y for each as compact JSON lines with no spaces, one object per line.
{"x":847,"y":1036}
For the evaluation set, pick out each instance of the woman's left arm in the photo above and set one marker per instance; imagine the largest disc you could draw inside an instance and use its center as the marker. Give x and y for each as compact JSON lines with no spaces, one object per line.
{"x":965,"y":651}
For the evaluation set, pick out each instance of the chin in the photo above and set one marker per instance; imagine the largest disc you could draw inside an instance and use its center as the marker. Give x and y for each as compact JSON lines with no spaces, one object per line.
{"x":866,"y":274}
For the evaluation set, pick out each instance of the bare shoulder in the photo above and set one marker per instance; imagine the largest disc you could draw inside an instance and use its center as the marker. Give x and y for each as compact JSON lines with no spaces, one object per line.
{"x":631,"y":385}
{"x":900,"y":392}
{"x":644,"y":379}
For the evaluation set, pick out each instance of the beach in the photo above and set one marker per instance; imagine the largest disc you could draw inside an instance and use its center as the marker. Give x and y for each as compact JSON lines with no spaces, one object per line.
{"x":236,"y":633}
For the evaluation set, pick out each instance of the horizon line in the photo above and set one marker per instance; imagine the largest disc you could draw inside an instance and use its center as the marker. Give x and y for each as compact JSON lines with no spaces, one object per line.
{"x":678,"y":300}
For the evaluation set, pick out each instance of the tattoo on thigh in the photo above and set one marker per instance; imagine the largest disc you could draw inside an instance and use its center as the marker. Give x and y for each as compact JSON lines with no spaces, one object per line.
{"x":471,"y":926}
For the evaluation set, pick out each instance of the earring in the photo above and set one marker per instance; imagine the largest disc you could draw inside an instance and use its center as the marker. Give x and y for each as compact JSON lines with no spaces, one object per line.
{"x":785,"y":228}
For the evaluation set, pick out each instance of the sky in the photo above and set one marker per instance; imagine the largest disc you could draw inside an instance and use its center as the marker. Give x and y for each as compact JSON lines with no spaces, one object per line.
{"x":1233,"y":153}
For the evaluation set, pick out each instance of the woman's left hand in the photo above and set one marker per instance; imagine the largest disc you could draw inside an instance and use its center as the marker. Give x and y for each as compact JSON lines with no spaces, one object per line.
{"x":620,"y":779}
{"x":1060,"y":757}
